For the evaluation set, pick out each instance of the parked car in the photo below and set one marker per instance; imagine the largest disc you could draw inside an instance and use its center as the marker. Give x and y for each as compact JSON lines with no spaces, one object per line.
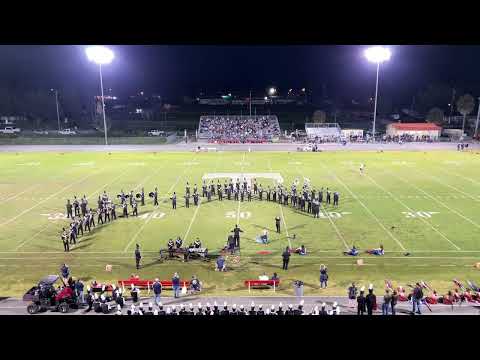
{"x":40,"y":132}
{"x":67,"y":132}
{"x":156,"y":133}
{"x":9,"y":130}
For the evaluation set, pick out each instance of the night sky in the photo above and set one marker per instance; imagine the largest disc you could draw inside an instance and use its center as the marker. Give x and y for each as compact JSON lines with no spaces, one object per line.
{"x":173,"y":71}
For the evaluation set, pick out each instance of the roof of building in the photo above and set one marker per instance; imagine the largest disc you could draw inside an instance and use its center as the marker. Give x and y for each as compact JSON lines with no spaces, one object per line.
{"x":415,"y":126}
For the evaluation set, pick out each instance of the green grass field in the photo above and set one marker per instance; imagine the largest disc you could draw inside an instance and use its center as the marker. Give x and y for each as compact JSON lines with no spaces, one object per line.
{"x":425,"y":203}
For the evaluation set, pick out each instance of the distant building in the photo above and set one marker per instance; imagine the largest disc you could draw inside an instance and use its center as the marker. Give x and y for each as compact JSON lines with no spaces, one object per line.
{"x":414,"y":129}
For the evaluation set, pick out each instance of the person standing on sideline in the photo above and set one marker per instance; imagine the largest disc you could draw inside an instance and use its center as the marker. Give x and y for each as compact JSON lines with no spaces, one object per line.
{"x":157,"y":291}
{"x":79,"y":290}
{"x":417,"y":298}
{"x":155,"y":197}
{"x":361,"y":302}
{"x":277,"y":224}
{"x":394,"y":301}
{"x":236,"y":235}
{"x":352,"y":295}
{"x":138,"y":256}
{"x":286,"y":258}
{"x":387,"y":299}
{"x":69,"y":209}
{"x":65,"y":271}
{"x":176,"y":285}
{"x":370,"y":300}
{"x":323,"y":276}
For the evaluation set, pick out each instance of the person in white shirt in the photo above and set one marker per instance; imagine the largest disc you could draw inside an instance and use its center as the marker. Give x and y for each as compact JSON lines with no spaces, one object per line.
{"x":263,"y":277}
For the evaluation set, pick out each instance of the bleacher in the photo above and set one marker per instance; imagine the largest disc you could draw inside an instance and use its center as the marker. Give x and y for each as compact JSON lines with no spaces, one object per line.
{"x":239,"y":128}
{"x":323,"y":131}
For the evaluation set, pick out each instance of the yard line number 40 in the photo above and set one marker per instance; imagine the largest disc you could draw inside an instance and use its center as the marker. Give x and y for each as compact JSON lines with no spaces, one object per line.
{"x":419,"y":214}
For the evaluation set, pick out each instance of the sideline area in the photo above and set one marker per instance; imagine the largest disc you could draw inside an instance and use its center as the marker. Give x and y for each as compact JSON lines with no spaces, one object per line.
{"x":12,"y":306}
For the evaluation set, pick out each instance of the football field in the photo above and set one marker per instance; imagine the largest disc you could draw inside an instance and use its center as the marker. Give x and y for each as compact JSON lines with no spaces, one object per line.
{"x":423,"y":203}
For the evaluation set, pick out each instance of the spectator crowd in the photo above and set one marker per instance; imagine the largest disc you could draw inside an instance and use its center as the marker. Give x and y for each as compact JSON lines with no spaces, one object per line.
{"x":239,"y":129}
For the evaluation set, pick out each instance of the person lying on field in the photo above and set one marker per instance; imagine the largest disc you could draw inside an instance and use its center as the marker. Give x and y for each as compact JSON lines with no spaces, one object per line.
{"x":302,"y":250}
{"x":377,"y":252}
{"x":352,"y":252}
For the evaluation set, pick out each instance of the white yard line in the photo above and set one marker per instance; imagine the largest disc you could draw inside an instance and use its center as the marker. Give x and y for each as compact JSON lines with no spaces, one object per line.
{"x":365,"y":207}
{"x":32,"y":238}
{"x":198,"y":208}
{"x":409,"y":209}
{"x":281,"y":210}
{"x":436,"y":200}
{"x":329,"y":217}
{"x":460,"y":176}
{"x":23,"y":192}
{"x":150,"y":176}
{"x":434,"y":178}
{"x":23,"y":243}
{"x":148,"y":220}
{"x":48,"y":198}
{"x":238,"y":208}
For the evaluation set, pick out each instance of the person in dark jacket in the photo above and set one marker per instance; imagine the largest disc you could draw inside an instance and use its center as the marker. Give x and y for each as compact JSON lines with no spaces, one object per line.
{"x":323,"y":276}
{"x":260,"y":310}
{"x":176,"y":285}
{"x":417,"y":298}
{"x":157,"y":291}
{"x":161,"y":311}
{"x":286,"y":258}
{"x":387,"y":300}
{"x":394,"y":301}
{"x":138,"y":256}
{"x":216,"y":310}
{"x":280,"y":310}
{"x":361,"y":302}
{"x":236,"y":235}
{"x":225,"y":309}
{"x":289,"y":311}
{"x":370,"y":300}
{"x":323,"y":310}
{"x":65,"y":271}
{"x":241,"y":311}
{"x":252,"y":309}
{"x":89,"y":300}
{"x":352,"y":295}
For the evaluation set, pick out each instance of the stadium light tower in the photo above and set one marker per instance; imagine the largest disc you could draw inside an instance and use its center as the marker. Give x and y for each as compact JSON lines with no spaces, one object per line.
{"x":101,"y":55}
{"x":378,"y":55}
{"x":56,"y":103}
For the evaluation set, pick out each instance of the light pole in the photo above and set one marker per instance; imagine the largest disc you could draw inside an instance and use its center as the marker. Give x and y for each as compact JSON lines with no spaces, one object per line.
{"x":56,"y":102}
{"x":101,"y":56}
{"x":377,"y":54}
{"x":478,"y":117}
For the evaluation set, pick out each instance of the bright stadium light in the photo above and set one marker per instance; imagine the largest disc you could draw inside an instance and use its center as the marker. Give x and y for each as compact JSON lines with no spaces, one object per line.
{"x":378,"y":55}
{"x":272,"y":91}
{"x":101,"y":55}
